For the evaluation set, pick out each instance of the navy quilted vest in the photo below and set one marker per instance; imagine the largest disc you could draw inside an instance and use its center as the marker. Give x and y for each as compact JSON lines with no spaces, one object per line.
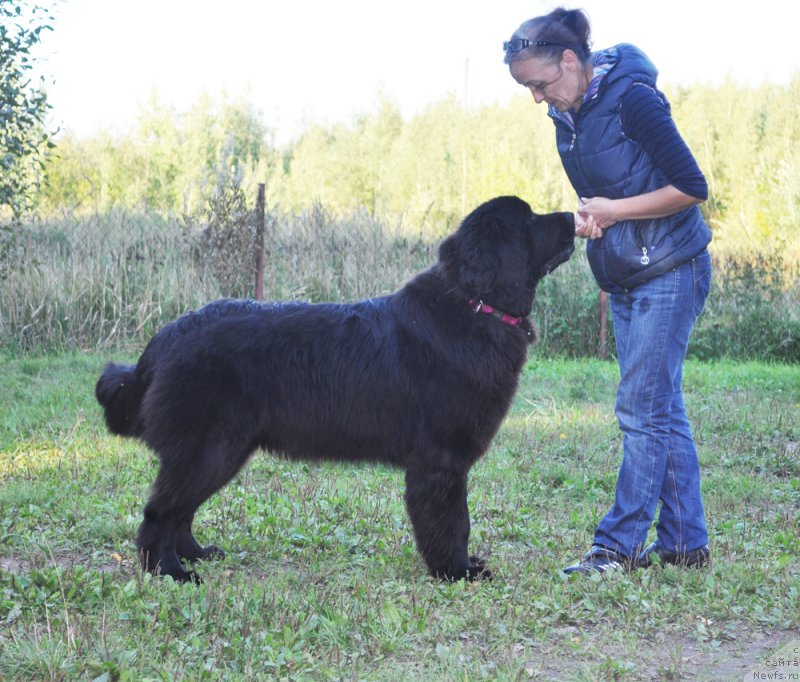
{"x":601,"y":162}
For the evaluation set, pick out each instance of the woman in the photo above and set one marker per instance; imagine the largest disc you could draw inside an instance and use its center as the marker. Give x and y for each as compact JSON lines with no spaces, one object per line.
{"x":639,"y":188}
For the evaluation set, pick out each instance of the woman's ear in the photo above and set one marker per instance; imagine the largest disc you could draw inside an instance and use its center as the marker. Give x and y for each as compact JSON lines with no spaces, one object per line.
{"x":570,"y":61}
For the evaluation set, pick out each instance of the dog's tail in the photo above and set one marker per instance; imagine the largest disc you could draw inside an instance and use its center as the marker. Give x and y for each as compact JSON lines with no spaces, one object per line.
{"x":120,"y":392}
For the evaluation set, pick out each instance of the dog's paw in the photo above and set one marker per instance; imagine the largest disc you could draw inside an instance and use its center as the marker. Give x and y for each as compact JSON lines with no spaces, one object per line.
{"x":474,"y":570}
{"x":477,"y":569}
{"x":174,"y":570}
{"x":185,"y":577}
{"x":211,"y":553}
{"x":191,"y":551}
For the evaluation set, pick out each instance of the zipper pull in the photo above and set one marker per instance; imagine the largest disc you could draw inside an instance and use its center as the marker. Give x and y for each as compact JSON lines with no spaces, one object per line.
{"x":645,"y":259}
{"x":572,"y":144}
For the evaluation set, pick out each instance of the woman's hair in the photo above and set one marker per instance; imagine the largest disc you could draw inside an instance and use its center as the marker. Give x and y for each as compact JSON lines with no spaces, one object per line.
{"x":549,"y":35}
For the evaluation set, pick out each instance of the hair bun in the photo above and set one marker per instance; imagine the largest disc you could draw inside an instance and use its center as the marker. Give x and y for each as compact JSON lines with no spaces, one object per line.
{"x":561,"y":28}
{"x":577,"y":23}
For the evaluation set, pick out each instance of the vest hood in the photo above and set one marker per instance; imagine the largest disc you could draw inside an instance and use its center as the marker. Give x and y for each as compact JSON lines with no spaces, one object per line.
{"x":630,"y":62}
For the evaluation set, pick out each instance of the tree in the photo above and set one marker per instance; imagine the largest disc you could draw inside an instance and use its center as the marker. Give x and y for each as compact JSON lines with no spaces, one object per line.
{"x":23,"y":104}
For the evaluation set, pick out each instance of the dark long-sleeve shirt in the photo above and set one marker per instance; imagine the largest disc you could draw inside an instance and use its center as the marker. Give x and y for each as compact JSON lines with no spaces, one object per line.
{"x":646,"y":118}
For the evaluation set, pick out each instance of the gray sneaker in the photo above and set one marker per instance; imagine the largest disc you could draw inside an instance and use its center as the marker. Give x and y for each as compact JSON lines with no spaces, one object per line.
{"x":693,"y":559}
{"x":600,"y":560}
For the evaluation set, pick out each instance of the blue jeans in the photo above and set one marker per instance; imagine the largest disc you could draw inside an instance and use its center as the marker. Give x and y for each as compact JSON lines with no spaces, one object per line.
{"x":652,"y":325}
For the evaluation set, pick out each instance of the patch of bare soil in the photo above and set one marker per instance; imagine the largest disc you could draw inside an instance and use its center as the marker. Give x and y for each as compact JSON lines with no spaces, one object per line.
{"x":19,"y":566}
{"x":734,"y":659}
{"x":668,"y":656}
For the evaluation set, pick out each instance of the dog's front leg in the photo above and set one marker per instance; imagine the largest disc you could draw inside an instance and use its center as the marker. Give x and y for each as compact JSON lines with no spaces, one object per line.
{"x":436,"y":500}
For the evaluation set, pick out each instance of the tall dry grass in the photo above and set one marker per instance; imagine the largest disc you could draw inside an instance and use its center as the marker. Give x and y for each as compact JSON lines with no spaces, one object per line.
{"x":98,"y":281}
{"x":95,"y":281}
{"x":114,"y":279}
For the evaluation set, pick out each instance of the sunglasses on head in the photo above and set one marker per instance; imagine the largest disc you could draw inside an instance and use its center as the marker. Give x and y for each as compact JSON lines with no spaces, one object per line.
{"x":518,"y":44}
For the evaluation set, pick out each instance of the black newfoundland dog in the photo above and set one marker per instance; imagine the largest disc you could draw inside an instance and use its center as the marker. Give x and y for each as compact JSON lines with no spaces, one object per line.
{"x":420,"y":379}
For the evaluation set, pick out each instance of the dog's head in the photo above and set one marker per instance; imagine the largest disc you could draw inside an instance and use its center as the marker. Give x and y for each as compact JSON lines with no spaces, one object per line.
{"x":502,"y":249}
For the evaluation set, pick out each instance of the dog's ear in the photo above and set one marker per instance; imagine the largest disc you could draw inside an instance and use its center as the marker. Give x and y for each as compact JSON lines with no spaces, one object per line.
{"x":470,"y":256}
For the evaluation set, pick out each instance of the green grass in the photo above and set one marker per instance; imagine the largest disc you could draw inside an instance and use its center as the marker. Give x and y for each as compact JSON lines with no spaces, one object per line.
{"x":322,"y":580}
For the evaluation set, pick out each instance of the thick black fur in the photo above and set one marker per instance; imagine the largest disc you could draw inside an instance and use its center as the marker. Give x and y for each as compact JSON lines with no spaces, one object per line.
{"x":415,"y":379}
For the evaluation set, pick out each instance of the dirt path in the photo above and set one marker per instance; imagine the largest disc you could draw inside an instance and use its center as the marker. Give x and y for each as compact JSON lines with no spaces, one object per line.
{"x":670,"y":657}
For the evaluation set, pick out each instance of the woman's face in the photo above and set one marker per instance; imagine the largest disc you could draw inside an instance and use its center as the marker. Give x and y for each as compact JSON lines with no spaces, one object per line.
{"x":561,"y":84}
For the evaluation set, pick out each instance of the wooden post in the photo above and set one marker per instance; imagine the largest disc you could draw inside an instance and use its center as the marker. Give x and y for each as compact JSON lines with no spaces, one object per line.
{"x":259,"y":294}
{"x":602,"y":350}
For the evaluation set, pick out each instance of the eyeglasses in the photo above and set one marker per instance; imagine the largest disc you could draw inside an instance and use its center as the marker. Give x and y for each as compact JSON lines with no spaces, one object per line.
{"x":518,"y":44}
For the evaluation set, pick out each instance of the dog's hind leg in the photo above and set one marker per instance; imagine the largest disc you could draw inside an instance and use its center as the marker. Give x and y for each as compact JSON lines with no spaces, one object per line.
{"x":436,"y":500}
{"x":190,"y":550}
{"x":181,"y":486}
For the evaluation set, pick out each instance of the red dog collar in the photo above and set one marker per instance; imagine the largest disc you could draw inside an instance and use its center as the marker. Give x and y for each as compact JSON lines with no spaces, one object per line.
{"x":481,"y":307}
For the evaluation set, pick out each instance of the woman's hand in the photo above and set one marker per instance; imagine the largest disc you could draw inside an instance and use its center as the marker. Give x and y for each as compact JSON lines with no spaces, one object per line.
{"x":604,"y":211}
{"x":599,"y":213}
{"x":594,"y":216}
{"x":586,"y":227}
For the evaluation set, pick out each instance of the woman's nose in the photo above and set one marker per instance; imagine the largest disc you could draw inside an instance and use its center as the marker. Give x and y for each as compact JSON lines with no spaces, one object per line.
{"x":538,"y":97}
